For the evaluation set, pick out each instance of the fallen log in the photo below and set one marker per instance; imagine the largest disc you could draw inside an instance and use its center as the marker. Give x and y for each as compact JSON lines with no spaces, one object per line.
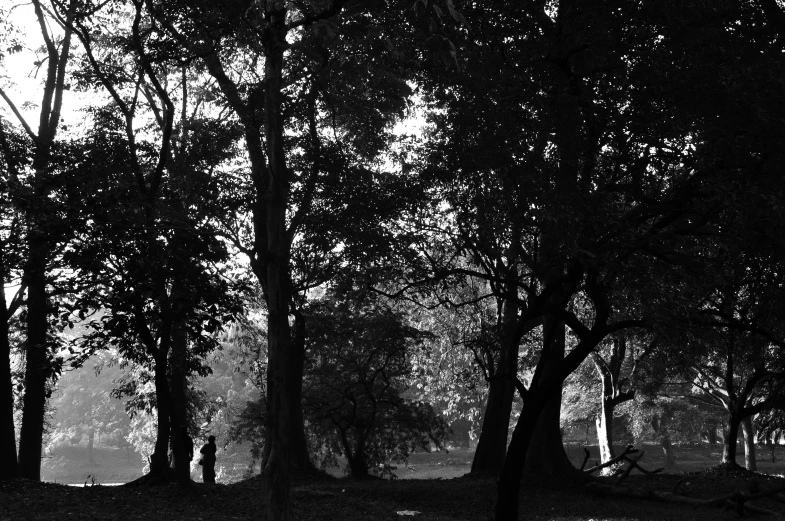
{"x":613,"y":461}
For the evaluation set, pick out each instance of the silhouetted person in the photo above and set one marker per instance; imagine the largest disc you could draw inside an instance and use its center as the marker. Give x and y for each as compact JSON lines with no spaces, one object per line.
{"x":208,"y":460}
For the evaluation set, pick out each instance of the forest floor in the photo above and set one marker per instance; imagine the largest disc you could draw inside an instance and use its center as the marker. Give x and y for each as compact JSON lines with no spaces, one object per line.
{"x":328,"y":498}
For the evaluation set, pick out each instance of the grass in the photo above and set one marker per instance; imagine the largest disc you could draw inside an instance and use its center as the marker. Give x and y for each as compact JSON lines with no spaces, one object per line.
{"x":430,"y":488}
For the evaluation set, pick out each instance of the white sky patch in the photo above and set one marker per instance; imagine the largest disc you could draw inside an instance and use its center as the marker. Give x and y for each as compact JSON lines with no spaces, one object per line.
{"x":22,"y":76}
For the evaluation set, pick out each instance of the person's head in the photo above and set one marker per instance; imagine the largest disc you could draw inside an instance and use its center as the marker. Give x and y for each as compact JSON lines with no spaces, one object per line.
{"x":211,"y":438}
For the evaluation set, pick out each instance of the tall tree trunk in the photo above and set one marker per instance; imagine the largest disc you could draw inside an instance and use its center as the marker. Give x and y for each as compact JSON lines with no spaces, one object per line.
{"x":299,"y":447}
{"x":749,"y":444}
{"x":276,"y":470}
{"x":9,"y":468}
{"x":177,"y":385}
{"x":492,"y":445}
{"x":37,"y":364}
{"x":731,"y":439}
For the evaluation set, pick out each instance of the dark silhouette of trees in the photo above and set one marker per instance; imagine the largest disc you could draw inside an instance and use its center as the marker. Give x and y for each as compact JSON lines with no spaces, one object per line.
{"x":359,"y":352}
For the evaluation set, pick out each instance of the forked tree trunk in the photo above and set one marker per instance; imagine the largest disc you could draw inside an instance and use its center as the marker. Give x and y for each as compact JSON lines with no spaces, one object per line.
{"x":512,"y":473}
{"x":749,"y":444}
{"x":8,"y":468}
{"x":546,"y":457}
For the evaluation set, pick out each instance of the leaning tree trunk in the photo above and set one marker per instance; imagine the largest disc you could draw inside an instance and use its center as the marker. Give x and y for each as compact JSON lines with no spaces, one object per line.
{"x":749,"y":444}
{"x":512,"y":473}
{"x":9,"y":468}
{"x":492,"y":445}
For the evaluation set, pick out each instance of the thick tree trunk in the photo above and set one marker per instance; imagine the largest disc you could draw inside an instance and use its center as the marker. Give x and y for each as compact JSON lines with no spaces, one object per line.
{"x":9,"y":468}
{"x":177,"y":385}
{"x":749,"y":444}
{"x":731,"y":439}
{"x":37,"y":365}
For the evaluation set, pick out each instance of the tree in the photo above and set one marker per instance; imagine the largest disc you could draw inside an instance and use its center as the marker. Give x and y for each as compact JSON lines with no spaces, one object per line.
{"x":360,"y":350}
{"x":10,"y":263}
{"x":616,"y":368}
{"x":564,"y":189}
{"x":306,"y":54}
{"x":44,"y":235}
{"x":155,"y":261}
